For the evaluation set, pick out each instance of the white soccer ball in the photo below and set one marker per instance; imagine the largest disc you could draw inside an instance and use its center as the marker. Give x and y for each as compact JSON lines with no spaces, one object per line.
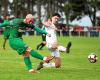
{"x":92,"y":57}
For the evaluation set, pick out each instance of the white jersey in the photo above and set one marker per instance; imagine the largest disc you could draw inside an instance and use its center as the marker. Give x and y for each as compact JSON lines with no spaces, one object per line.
{"x":51,"y":40}
{"x":52,"y":32}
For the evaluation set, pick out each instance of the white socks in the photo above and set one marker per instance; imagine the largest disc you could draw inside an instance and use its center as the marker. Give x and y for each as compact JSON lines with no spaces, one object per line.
{"x":49,"y":64}
{"x":61,"y":48}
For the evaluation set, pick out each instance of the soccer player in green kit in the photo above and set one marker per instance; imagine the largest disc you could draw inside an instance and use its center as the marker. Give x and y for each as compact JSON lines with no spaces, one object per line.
{"x":6,"y":31}
{"x":6,"y":34}
{"x":16,"y":43}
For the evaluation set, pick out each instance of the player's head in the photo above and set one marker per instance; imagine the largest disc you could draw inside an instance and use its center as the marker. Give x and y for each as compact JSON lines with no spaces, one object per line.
{"x":57,"y":14}
{"x":55,"y":18}
{"x":6,"y":17}
{"x":29,"y":19}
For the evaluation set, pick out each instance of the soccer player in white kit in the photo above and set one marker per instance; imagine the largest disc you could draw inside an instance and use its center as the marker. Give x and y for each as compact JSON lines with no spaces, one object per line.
{"x":52,"y":43}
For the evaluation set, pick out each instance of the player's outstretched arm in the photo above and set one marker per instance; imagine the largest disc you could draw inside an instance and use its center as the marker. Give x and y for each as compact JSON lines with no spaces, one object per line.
{"x":4,"y":24}
{"x":40,"y":30}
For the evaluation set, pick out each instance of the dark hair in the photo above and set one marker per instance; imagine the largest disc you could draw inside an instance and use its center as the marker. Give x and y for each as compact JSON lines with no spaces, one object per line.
{"x":56,"y":14}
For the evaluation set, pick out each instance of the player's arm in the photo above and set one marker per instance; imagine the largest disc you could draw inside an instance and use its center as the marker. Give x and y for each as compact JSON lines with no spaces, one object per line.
{"x":39,"y":30}
{"x":4,"y":24}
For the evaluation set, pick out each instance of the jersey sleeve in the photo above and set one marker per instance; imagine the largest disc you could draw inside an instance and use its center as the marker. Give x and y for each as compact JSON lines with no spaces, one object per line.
{"x":4,"y":24}
{"x":39,"y":30}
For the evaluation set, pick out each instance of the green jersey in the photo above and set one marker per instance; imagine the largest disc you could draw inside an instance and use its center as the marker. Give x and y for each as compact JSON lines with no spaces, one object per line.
{"x":15,"y":40}
{"x":16,"y":24}
{"x":6,"y":31}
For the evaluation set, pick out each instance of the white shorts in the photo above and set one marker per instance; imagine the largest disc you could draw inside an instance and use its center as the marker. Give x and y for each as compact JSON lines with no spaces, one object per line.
{"x":54,"y":52}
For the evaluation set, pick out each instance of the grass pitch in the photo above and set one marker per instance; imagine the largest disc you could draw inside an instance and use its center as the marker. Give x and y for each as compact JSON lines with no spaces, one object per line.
{"x":75,"y":65}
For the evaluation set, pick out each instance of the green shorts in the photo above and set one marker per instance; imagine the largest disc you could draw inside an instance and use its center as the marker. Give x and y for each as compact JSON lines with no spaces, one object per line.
{"x":18,"y":45}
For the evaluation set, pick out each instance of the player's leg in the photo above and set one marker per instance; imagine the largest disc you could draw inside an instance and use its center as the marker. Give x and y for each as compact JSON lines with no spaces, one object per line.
{"x":65,"y":49}
{"x":34,"y":54}
{"x":68,"y":47}
{"x":42,"y":45}
{"x":56,"y":63}
{"x":44,"y":41}
{"x":38,"y":46}
{"x":6,"y":34}
{"x":57,"y":60}
{"x":62,"y":48}
{"x":18,"y":45}
{"x":4,"y":43}
{"x":6,"y":37}
{"x":28,"y":63}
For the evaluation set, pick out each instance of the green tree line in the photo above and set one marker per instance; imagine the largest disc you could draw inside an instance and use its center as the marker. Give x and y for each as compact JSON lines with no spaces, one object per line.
{"x":71,"y":8}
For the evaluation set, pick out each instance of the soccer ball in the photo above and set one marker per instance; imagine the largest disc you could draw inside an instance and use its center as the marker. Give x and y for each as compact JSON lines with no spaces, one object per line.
{"x":92,"y":57}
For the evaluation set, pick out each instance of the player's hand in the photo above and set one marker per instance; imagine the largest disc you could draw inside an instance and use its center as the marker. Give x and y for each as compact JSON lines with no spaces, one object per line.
{"x":49,"y":35}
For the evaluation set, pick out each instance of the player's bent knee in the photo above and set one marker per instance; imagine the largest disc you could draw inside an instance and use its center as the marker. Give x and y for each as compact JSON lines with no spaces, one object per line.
{"x":26,"y":54}
{"x":58,"y":66}
{"x":57,"y":62}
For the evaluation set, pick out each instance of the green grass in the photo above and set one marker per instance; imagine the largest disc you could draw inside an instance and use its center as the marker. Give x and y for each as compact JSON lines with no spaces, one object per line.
{"x":75,"y":66}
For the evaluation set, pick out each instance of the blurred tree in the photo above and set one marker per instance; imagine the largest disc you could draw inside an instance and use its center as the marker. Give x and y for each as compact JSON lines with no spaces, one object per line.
{"x":72,"y":8}
{"x":5,"y":7}
{"x":92,"y":10}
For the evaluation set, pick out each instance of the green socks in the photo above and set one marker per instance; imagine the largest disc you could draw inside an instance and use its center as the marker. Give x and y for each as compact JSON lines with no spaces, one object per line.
{"x":28,"y":63}
{"x":35,"y":54}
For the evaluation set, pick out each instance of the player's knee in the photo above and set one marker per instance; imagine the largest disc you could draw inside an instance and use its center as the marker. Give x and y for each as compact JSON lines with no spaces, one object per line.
{"x":26,"y":53}
{"x":57,"y":62}
{"x":58,"y":65}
